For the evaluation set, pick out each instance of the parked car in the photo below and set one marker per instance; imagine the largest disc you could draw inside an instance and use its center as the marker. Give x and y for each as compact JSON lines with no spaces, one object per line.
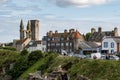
{"x":79,"y":56}
{"x":118,"y":54}
{"x":113,"y":57}
{"x":88,"y":57}
{"x":103,"y":57}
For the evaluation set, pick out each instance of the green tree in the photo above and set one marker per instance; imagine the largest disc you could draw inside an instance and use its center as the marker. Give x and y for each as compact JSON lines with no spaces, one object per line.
{"x":87,"y":36}
{"x":24,"y":52}
{"x":35,"y":55}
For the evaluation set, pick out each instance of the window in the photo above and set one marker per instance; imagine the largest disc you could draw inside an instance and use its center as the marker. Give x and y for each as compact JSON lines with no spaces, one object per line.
{"x":112,"y":44}
{"x":48,"y":39}
{"x":105,"y":44}
{"x":67,"y":43}
{"x":62,"y":38}
{"x":70,"y":44}
{"x":48,"y":44}
{"x":67,"y":38}
{"x":42,"y":49}
{"x":112,"y":51}
{"x":57,"y":44}
{"x":52,"y":44}
{"x":62,"y":44}
{"x":52,"y":39}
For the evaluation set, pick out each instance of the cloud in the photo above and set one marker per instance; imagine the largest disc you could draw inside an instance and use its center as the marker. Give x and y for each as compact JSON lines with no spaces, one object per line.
{"x":2,"y":1}
{"x":78,"y":3}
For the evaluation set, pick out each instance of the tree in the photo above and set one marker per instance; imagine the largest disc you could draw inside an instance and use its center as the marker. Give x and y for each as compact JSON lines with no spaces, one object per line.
{"x":87,"y":36}
{"x":35,"y":55}
{"x":24,"y":52}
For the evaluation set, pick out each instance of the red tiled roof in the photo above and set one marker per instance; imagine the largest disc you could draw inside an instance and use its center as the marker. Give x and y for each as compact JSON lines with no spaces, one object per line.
{"x":77,"y":35}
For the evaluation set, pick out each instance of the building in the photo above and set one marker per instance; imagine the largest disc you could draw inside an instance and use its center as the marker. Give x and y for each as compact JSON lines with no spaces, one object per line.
{"x":37,"y":45}
{"x":111,"y":45}
{"x":28,"y":36}
{"x":68,"y":41}
{"x":97,"y":36}
{"x":89,"y":47}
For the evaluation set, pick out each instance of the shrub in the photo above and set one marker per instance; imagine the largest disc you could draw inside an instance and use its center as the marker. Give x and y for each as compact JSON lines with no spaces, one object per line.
{"x":24,"y":52}
{"x":35,"y":55}
{"x":8,"y":48}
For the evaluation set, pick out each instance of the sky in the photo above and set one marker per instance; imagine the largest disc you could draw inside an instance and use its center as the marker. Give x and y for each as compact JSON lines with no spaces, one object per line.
{"x":58,"y":15}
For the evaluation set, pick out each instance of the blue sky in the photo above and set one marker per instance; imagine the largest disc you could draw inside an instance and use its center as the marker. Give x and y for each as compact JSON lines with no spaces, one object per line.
{"x":58,"y":15}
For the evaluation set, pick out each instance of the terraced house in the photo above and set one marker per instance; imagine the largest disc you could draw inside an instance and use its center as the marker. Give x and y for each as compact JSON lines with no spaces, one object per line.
{"x":68,"y":41}
{"x":97,"y":36}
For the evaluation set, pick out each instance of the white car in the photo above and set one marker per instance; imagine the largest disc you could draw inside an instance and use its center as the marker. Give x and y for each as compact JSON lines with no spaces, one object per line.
{"x":113,"y":57}
{"x":103,"y":57}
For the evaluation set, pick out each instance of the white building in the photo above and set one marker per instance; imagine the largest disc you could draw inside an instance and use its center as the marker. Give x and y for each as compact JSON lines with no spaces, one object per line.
{"x":36,"y":45}
{"x":111,"y":44}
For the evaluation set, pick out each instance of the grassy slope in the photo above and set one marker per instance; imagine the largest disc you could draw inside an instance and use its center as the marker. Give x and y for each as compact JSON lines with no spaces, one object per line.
{"x":93,"y":69}
{"x":96,"y":69}
{"x":32,"y":69}
{"x":8,"y":56}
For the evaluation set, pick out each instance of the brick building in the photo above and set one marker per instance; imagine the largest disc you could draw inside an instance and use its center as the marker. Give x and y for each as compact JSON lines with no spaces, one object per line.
{"x":68,"y":41}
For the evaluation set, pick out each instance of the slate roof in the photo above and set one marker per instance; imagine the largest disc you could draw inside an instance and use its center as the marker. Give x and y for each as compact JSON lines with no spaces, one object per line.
{"x":97,"y":36}
{"x":88,"y":45}
{"x":74,"y":35}
{"x":116,"y":39}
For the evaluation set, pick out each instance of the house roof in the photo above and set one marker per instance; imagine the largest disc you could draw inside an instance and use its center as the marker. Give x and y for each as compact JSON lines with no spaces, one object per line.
{"x":77,"y":35}
{"x":116,"y":39}
{"x":98,"y":36}
{"x":21,"y":41}
{"x":73,"y":35}
{"x":33,"y":43}
{"x":88,"y":45}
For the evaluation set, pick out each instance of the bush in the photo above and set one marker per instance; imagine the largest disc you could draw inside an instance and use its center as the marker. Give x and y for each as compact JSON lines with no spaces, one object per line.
{"x":8,"y":48}
{"x":24,"y":52}
{"x":35,"y":55}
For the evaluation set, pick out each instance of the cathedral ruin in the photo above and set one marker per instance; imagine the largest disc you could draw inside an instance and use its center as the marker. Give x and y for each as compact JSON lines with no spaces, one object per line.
{"x":30,"y":34}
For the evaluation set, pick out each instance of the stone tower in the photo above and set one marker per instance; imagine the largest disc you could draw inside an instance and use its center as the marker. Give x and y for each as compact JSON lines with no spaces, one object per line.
{"x":116,"y":31}
{"x":77,"y":39}
{"x":21,"y":30}
{"x":28,"y":31}
{"x":34,"y":29}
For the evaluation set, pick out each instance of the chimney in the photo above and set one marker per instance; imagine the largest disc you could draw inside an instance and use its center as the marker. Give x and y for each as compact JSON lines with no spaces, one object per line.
{"x":50,"y":33}
{"x":56,"y":32}
{"x":100,"y":30}
{"x":65,"y":31}
{"x":93,"y":30}
{"x":116,"y":31}
{"x":71,"y":30}
{"x":47,"y":34}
